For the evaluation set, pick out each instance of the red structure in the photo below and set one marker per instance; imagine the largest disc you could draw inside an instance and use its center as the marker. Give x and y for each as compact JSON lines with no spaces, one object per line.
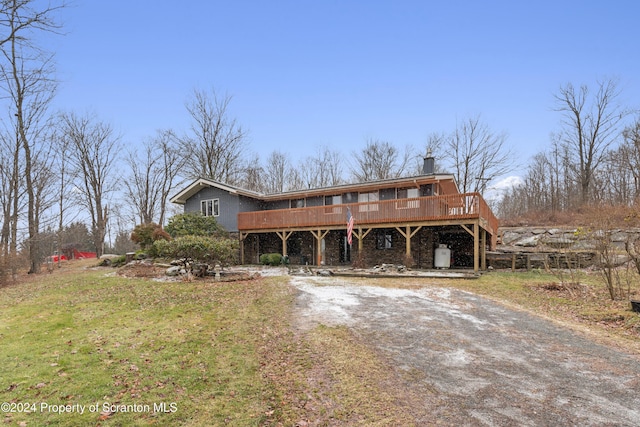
{"x":73,"y":253}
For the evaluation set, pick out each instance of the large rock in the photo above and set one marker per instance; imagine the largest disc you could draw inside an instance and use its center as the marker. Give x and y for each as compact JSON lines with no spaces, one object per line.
{"x":508,"y":237}
{"x":175,"y":271}
{"x":559,"y":241}
{"x":529,"y":242}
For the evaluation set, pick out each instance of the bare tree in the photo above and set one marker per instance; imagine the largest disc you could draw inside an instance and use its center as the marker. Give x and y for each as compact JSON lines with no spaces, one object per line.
{"x":591,"y":124}
{"x":27,"y":71}
{"x":323,"y":169}
{"x":253,"y":175}
{"x":64,"y":178}
{"x":435,"y":147}
{"x":18,"y":17}
{"x":170,"y":168}
{"x":326,"y":166}
{"x":380,"y":160}
{"x":153,"y":176}
{"x":216,"y":144}
{"x":306,"y":175}
{"x":477,"y":155}
{"x":10,"y":191}
{"x":94,"y":153}
{"x":276,"y":170}
{"x":630,"y":155}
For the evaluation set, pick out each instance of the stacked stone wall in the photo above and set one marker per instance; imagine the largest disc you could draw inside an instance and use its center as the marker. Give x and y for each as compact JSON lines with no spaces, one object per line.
{"x":542,"y":239}
{"x":533,"y":247}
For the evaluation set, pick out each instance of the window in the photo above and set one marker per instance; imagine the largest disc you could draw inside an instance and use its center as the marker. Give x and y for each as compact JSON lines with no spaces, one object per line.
{"x":368,"y":197}
{"x":333,"y":200}
{"x":210,"y":207}
{"x":296,"y":203}
{"x":429,"y":190}
{"x":383,"y":241}
{"x":349,"y":197}
{"x":407,"y":193}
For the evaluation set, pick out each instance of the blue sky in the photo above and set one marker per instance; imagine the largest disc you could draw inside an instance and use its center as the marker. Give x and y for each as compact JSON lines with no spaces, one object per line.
{"x":308,"y":73}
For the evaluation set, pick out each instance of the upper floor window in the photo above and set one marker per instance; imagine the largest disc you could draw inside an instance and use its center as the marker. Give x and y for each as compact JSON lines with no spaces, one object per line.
{"x":331,"y":201}
{"x":210,"y":207}
{"x":349,"y":197}
{"x":429,"y":190}
{"x":407,"y":193}
{"x":368,"y":197}
{"x":402,"y":194}
{"x":297,"y":203}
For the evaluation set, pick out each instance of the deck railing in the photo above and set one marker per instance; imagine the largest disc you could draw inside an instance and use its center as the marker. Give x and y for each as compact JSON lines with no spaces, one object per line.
{"x":420,"y":209}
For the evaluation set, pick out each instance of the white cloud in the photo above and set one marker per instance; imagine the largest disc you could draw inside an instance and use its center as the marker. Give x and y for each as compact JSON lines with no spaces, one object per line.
{"x":497,"y":189}
{"x":507,"y":183}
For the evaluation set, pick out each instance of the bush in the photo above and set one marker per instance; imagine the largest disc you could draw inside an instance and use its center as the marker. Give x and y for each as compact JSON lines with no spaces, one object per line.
{"x":146,"y":234}
{"x":119,"y":261}
{"x":271,"y":259}
{"x":193,"y":224}
{"x":198,"y":249}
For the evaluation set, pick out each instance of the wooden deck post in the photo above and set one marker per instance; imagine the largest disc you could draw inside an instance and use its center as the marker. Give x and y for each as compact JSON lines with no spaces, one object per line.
{"x":483,"y":249}
{"x":242,"y":237}
{"x":408,"y":234}
{"x":360,"y":236}
{"x":319,"y":235}
{"x":476,"y":246}
{"x":284,"y":236}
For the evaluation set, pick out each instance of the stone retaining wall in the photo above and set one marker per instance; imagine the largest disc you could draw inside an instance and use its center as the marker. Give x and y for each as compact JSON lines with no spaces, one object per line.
{"x":533,"y":247}
{"x":552,"y":239}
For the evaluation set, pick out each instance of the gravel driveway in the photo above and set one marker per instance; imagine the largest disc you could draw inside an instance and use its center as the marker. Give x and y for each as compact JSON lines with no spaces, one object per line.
{"x":477,"y":362}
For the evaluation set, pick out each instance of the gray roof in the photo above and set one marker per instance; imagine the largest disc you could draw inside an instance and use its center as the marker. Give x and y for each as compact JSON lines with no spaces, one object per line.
{"x":199,"y":183}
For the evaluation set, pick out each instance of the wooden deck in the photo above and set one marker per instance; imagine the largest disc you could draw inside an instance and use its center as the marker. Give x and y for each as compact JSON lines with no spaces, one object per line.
{"x":456,"y":208}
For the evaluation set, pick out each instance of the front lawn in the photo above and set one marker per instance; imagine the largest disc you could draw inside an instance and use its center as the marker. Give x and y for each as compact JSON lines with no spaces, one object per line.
{"x":136,"y":352}
{"x":110,"y":350}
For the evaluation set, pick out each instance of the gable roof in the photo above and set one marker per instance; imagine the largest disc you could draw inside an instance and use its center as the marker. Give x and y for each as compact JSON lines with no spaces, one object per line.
{"x":201,"y":183}
{"x":447,"y":181}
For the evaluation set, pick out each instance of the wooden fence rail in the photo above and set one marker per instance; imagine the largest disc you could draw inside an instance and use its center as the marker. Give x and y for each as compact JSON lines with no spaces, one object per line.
{"x":420,"y":209}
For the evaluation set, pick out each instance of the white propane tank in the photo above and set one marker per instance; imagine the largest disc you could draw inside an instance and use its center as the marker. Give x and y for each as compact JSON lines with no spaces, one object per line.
{"x":443,"y":257}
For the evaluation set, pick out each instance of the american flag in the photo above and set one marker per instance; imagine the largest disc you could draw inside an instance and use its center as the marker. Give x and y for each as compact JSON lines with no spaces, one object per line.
{"x":350,"y":221}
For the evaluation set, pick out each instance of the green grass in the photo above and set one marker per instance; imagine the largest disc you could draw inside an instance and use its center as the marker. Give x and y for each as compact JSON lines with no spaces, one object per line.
{"x":89,"y":339}
{"x":221,"y":353}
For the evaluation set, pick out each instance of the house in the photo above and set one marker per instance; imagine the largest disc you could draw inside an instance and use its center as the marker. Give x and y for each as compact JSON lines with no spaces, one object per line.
{"x":400,"y":220}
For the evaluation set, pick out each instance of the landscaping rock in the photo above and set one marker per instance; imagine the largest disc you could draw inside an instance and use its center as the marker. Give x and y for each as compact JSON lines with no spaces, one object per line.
{"x":509,"y":237}
{"x":562,"y":241}
{"x":324,"y":272}
{"x":529,"y":242}
{"x":175,"y":271}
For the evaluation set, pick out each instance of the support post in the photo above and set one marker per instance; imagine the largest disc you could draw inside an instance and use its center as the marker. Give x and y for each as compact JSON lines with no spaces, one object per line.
{"x":475,"y":232}
{"x":319,"y":235}
{"x":360,"y":235}
{"x":242,"y":237}
{"x":483,"y":249}
{"x":284,"y":236}
{"x":408,"y":234}
{"x":476,"y":247}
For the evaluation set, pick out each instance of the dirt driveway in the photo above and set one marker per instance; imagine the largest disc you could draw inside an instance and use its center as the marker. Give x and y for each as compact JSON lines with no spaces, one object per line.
{"x":477,"y":362}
